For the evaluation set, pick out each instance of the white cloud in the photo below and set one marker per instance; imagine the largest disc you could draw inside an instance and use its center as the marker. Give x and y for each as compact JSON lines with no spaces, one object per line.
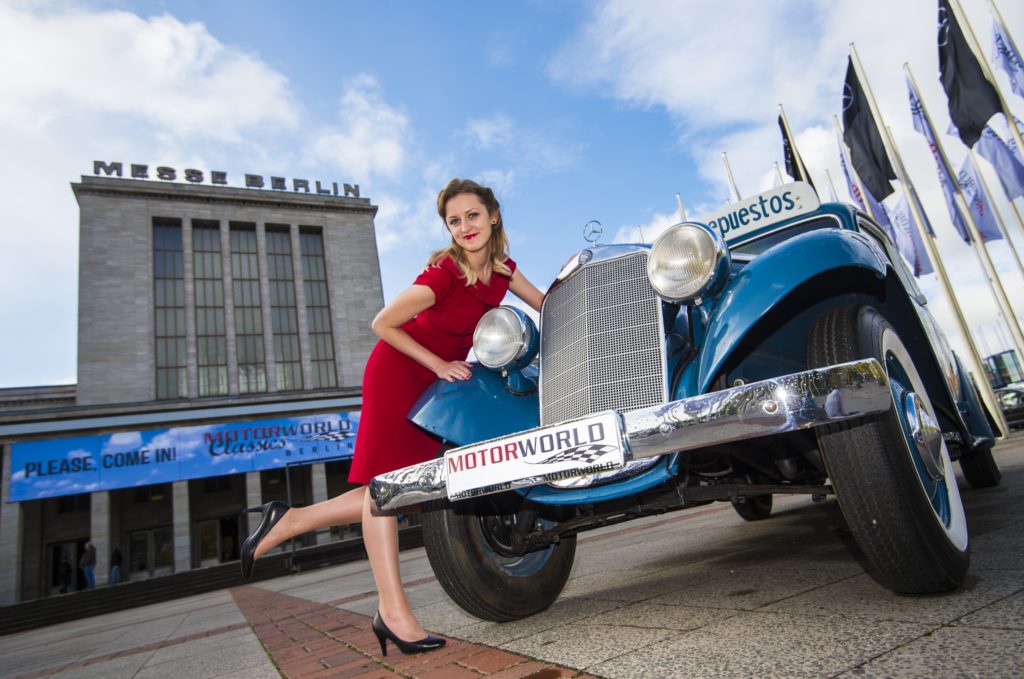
{"x":401,"y":223}
{"x":373,"y":137}
{"x":646,"y":233}
{"x":490,"y":132}
{"x":703,"y":61}
{"x":528,"y":148}
{"x":87,"y":85}
{"x":173,"y":75}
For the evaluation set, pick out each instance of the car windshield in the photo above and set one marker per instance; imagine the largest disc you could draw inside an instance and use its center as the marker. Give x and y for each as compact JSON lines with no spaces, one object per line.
{"x":758,"y":245}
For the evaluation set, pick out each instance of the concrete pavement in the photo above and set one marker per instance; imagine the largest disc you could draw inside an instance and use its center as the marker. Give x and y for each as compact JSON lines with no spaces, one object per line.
{"x":699,"y":593}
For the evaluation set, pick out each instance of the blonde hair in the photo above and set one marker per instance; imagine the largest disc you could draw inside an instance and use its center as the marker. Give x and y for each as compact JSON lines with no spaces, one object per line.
{"x":498,"y":245}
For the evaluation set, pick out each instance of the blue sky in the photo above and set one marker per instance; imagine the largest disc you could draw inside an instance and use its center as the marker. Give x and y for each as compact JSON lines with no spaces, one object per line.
{"x":573,"y":111}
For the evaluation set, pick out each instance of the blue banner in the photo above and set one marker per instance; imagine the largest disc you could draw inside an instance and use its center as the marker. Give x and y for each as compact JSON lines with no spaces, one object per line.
{"x":87,"y":464}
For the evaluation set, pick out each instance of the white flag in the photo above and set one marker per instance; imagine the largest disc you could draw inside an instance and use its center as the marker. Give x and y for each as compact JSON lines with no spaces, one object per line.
{"x":1004,"y":56}
{"x":978,"y":202}
{"x":908,"y":238}
{"x":1008,"y":168}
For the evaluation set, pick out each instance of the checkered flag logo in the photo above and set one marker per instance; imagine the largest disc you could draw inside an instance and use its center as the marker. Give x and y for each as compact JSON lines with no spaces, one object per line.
{"x":586,"y":454}
{"x":330,"y":436}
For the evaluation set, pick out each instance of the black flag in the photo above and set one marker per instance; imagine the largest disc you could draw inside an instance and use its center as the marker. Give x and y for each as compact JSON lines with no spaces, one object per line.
{"x":795,"y":167}
{"x":867,"y":152}
{"x":972,"y":99}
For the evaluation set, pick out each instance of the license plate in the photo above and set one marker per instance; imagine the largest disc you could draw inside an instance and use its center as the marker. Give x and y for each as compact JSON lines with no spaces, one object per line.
{"x":562,"y":451}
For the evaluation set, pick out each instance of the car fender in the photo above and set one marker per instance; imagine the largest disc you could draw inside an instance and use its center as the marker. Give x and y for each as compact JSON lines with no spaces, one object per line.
{"x":768,"y":280}
{"x":976,"y":422}
{"x":477,"y":409}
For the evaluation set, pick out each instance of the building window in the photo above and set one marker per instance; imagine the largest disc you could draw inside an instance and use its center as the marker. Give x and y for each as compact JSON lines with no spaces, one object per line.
{"x":245,"y":275}
{"x":216,"y":484}
{"x":169,"y":307}
{"x":283,"y":314}
{"x":211,"y":340}
{"x":318,"y":309}
{"x":67,"y":504}
{"x":154,"y":493}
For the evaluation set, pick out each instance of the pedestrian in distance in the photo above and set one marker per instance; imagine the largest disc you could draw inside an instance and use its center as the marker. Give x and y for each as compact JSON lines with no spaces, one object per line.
{"x":115,"y":566}
{"x":425,"y":333}
{"x":65,"y":574}
{"x":88,"y":564}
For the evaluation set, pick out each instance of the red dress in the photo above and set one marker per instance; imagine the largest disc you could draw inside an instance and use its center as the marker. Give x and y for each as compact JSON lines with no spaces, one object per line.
{"x":385,"y":439}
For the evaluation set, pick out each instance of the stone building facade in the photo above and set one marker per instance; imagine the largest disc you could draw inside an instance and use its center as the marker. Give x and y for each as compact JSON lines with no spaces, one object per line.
{"x":207,"y":314}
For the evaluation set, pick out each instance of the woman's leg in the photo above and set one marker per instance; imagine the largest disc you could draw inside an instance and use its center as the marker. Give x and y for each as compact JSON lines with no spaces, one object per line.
{"x":340,"y":510}
{"x":380,"y":535}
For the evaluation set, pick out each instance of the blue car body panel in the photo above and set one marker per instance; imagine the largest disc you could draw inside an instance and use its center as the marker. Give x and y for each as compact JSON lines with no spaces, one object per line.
{"x":477,"y":409}
{"x":768,"y":280}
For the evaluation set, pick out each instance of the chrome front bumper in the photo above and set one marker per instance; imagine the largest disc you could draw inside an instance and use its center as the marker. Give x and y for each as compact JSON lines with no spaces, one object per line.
{"x":781,"y":404}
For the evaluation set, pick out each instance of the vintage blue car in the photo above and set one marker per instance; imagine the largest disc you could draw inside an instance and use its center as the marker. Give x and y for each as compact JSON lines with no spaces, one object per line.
{"x":781,"y":346}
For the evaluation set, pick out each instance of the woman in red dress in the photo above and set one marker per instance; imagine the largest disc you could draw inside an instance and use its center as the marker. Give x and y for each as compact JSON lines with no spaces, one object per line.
{"x":425,"y":334}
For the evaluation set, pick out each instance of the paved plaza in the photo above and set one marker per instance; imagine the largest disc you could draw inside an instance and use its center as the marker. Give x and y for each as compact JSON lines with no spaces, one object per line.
{"x":699,"y":593}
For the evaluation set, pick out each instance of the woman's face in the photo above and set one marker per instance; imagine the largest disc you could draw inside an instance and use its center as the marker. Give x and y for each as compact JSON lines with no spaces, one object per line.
{"x":468,"y":221}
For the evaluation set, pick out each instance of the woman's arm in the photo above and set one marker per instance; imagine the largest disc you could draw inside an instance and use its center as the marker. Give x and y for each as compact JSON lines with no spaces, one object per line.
{"x":388,"y":326}
{"x":525,"y":290}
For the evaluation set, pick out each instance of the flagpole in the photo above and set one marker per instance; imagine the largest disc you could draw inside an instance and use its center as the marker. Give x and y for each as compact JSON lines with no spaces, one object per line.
{"x":831,"y":184}
{"x":974,"y":357}
{"x":1002,"y":24}
{"x":732,"y":182}
{"x":854,"y":177}
{"x":975,"y":47}
{"x":1010,"y":123}
{"x":999,"y":218}
{"x":986,"y":392}
{"x":1020,"y":221}
{"x":682,"y":210}
{"x":799,"y":161}
{"x":979,"y":248}
{"x":779,"y":179}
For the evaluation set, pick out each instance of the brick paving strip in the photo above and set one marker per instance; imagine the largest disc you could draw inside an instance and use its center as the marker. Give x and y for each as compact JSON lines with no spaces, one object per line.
{"x":309,"y":640}
{"x":329,"y":642}
{"x":148,"y":648}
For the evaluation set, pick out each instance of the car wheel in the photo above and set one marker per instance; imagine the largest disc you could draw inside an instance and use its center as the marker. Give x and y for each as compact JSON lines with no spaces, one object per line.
{"x":471,"y":547}
{"x":753,"y":508}
{"x":891,"y":472}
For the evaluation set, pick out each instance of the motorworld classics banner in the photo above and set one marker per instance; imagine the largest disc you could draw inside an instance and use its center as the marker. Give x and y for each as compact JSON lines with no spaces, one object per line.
{"x":86,"y":464}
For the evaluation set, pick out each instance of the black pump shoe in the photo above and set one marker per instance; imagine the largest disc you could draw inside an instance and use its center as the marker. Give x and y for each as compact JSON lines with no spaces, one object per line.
{"x":383,"y":633}
{"x":272,"y":513}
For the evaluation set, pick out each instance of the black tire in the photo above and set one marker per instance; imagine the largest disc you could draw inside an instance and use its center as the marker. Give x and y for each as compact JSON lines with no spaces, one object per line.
{"x":980,"y":468}
{"x":468,"y":545}
{"x":754,"y":508}
{"x":897,"y":493}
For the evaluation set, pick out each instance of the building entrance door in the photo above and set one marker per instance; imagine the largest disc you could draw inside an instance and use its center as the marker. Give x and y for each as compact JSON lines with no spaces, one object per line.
{"x":218,"y":540}
{"x":150,"y":553}
{"x":64,"y":575}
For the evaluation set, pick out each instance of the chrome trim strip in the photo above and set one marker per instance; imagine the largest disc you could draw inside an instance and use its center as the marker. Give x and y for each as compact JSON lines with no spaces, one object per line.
{"x":799,"y":401}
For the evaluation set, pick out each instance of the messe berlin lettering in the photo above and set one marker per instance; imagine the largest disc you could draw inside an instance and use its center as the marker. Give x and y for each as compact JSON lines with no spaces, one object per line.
{"x":251,"y":181}
{"x":65,"y":466}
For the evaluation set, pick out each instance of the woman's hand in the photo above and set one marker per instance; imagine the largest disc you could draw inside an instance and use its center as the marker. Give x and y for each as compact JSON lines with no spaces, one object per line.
{"x":454,"y":370}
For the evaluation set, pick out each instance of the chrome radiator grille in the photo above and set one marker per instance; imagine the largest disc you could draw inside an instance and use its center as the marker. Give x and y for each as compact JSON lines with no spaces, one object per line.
{"x":601,"y":342}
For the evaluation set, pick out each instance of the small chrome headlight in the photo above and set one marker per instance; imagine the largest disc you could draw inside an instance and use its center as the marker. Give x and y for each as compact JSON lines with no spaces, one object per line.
{"x":505,"y":338}
{"x":688,"y":261}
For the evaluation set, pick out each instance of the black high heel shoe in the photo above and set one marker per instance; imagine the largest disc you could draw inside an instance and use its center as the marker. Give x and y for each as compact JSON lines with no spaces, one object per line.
{"x":272,"y":513}
{"x":383,"y":633}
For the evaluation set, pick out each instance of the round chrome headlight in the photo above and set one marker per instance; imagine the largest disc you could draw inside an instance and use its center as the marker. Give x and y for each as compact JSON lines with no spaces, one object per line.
{"x":505,"y":338}
{"x":688,"y":261}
